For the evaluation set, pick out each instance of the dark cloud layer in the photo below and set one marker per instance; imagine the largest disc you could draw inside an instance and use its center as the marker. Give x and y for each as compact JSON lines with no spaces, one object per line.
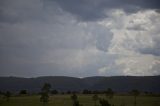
{"x":90,"y":10}
{"x":85,"y":10}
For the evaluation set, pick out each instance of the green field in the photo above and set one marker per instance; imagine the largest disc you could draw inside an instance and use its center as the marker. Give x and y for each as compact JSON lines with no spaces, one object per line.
{"x":86,"y":100}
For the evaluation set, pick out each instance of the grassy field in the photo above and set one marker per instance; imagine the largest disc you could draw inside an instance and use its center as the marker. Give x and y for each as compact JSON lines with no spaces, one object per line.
{"x":86,"y":100}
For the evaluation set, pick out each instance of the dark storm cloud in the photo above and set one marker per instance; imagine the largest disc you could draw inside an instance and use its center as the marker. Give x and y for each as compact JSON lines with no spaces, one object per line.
{"x":20,"y":11}
{"x":90,"y":10}
{"x":86,"y":10}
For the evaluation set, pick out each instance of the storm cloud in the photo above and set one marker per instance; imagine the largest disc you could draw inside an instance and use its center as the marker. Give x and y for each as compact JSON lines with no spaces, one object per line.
{"x":91,"y":10}
{"x":79,"y":37}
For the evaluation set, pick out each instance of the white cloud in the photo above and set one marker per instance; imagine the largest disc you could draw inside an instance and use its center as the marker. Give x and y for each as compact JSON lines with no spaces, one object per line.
{"x":139,"y":65}
{"x":102,"y":70}
{"x":134,"y":41}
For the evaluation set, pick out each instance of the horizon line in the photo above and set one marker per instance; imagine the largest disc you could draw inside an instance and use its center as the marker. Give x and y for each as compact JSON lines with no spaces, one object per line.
{"x":79,"y":77}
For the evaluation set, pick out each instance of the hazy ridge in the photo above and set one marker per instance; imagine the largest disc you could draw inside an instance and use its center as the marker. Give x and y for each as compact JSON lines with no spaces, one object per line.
{"x":64,"y":83}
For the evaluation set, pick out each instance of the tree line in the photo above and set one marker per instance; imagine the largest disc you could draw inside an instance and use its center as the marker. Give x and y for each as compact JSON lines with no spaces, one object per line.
{"x":46,"y":91}
{"x":75,"y":102}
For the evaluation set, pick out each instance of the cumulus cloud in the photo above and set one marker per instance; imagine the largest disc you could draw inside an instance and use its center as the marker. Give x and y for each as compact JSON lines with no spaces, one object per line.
{"x":135,"y":41}
{"x":139,"y":65}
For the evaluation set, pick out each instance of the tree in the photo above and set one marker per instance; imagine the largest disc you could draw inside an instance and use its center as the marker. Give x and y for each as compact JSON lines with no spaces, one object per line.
{"x":109,"y":93}
{"x":7,"y":95}
{"x":75,"y":100}
{"x":45,"y":93}
{"x":68,"y":92}
{"x":135,"y":93}
{"x":146,"y":92}
{"x":104,"y":102}
{"x":74,"y":97}
{"x":95,"y":98}
{"x":54,"y":92}
{"x":96,"y":92}
{"x":23,"y":92}
{"x":85,"y":91}
{"x":1,"y":92}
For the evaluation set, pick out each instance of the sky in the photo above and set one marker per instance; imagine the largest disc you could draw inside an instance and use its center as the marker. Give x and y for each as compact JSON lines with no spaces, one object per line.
{"x":79,"y":38}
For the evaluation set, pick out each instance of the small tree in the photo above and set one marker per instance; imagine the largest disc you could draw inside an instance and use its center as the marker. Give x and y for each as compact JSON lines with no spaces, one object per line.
{"x":74,"y":97}
{"x":76,"y":103}
{"x":135,"y":93}
{"x":7,"y":95}
{"x":75,"y":100}
{"x":104,"y":102}
{"x":45,"y":93}
{"x":95,"y":98}
{"x":109,"y":93}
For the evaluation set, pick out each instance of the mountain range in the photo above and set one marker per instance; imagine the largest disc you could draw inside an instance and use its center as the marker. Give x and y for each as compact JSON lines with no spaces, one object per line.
{"x":64,"y":83}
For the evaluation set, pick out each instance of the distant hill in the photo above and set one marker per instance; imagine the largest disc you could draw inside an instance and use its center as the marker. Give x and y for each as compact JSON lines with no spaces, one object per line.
{"x":63,"y":83}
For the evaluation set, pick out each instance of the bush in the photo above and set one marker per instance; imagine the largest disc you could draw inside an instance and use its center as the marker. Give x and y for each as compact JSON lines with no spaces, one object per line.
{"x":23,"y":92}
{"x":7,"y":95}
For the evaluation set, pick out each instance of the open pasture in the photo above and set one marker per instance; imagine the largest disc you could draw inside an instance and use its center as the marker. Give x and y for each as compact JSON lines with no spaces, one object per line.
{"x":85,"y":100}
